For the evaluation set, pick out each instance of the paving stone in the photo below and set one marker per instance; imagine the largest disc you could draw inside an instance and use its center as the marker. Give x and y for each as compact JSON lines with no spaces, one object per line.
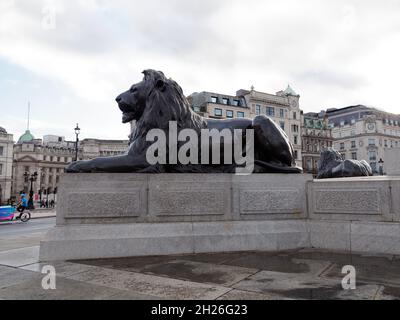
{"x":374,"y":271}
{"x":278,"y":263}
{"x":21,"y":242}
{"x":244,"y":295}
{"x":201,"y":272}
{"x":65,"y":290}
{"x":128,"y":264}
{"x":63,"y":269}
{"x":302,"y":286}
{"x":388,"y":293}
{"x":150,"y":285}
{"x":19,"y":257}
{"x":11,"y":276}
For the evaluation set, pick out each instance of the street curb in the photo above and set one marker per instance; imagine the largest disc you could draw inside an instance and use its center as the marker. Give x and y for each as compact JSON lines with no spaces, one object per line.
{"x":35,"y":217}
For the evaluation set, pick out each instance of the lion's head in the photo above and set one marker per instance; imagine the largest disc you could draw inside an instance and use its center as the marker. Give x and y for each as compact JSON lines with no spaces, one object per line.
{"x":154,"y":101}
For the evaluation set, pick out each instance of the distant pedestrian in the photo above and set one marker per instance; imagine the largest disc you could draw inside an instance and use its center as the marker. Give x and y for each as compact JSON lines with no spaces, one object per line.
{"x":52,"y":204}
{"x":47,"y":203}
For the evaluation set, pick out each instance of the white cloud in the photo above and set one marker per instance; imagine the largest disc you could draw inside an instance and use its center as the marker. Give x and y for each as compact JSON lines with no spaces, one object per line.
{"x":334,"y":53}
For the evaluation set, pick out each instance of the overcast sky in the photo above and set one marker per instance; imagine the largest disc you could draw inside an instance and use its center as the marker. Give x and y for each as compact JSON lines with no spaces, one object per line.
{"x":73,"y":64}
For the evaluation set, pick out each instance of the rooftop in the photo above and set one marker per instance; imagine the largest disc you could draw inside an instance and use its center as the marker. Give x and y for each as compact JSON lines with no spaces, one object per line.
{"x":26,"y":137}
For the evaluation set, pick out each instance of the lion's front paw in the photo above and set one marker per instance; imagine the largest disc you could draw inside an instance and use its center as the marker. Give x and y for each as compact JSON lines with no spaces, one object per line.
{"x":78,"y":166}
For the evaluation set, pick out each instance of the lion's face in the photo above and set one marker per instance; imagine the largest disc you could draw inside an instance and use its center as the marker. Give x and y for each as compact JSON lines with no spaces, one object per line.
{"x":132,"y":102}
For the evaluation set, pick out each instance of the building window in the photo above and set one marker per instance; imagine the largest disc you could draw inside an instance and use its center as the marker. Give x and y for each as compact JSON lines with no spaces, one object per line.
{"x":258,"y":109}
{"x":295,"y":115}
{"x":354,"y":155}
{"x":353,"y":121}
{"x":295,"y":154}
{"x":218,"y":112}
{"x":353,"y":144}
{"x":372,"y":155}
{"x":1,"y":150}
{"x":236,"y":102}
{"x":341,"y":123}
{"x":214,"y":99}
{"x":295,"y":128}
{"x":282,"y":125}
{"x":385,"y":142}
{"x":371,"y":142}
{"x":196,"y":109}
{"x":229,"y":113}
{"x":240,"y":114}
{"x":295,"y":139}
{"x":271,"y":111}
{"x":225,"y":100}
{"x":1,"y":169}
{"x":281,"y":113}
{"x":342,"y":146}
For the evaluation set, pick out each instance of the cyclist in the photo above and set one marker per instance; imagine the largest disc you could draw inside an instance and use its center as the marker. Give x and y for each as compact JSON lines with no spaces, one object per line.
{"x":23,"y":203}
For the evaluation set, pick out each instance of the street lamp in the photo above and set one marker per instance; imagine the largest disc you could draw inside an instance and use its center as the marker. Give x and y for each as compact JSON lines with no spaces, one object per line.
{"x":30,"y":177}
{"x":77,"y":132}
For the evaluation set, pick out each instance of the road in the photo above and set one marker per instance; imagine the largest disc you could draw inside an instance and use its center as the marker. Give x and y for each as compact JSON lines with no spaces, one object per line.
{"x":19,"y":235}
{"x":16,"y":229}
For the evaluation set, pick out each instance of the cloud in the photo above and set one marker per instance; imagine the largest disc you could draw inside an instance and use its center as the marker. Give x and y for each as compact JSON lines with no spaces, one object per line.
{"x":333,"y":53}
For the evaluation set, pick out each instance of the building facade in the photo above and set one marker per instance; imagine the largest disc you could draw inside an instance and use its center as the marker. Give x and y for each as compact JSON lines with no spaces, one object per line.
{"x":49,"y":157}
{"x":282,"y":107}
{"x":316,"y":135}
{"x":6,"y":159}
{"x":362,"y":132}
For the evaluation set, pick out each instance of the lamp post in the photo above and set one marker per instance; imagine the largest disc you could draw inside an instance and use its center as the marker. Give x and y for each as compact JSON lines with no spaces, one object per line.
{"x":31,"y":178}
{"x":77,"y":131}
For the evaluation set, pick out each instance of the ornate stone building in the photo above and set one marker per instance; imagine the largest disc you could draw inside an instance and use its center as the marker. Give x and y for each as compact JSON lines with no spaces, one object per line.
{"x":6,"y":158}
{"x":49,"y":157}
{"x":316,"y":135}
{"x":362,"y":132}
{"x":282,"y":107}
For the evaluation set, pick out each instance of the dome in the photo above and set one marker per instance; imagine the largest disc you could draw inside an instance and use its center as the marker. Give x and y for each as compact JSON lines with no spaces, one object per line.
{"x":26,"y":137}
{"x":289,"y":91}
{"x":2,"y":130}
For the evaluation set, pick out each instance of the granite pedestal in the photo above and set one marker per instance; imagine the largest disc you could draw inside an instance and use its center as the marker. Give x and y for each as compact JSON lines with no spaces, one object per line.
{"x":118,"y":215}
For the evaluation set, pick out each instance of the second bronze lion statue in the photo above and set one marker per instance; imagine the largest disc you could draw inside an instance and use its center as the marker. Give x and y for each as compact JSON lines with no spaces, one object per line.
{"x":154,"y":102}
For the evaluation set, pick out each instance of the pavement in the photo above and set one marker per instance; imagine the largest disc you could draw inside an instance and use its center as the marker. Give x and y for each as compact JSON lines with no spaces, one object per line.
{"x":295,"y":274}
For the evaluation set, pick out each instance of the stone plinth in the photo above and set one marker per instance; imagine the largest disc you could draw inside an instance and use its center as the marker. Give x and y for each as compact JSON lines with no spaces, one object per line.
{"x":391,"y":165}
{"x":120,"y":215}
{"x":104,"y":198}
{"x":355,"y":199}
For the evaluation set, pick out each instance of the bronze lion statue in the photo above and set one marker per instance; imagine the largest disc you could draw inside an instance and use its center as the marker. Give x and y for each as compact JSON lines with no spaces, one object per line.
{"x":154,"y":102}
{"x":332,"y":165}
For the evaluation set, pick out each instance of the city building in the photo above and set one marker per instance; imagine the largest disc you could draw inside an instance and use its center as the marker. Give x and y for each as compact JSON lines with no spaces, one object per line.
{"x":315,"y":136}
{"x":49,"y":157}
{"x":282,"y":107}
{"x":6,"y":158}
{"x":362,"y":132}
{"x":93,"y":148}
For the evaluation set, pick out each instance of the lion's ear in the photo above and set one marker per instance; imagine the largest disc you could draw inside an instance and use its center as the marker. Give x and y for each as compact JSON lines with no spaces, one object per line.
{"x":160,"y":84}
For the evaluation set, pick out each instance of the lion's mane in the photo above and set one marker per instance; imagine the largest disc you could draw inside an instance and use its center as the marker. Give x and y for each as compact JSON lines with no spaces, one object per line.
{"x":165,"y":104}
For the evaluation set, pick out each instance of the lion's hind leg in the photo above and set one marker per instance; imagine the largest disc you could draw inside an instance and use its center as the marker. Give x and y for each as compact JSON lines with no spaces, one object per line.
{"x":271,"y":142}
